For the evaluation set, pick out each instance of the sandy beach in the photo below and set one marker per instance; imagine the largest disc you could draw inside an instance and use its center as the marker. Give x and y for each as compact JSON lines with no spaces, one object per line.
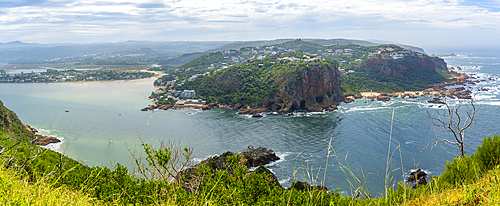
{"x":407,"y":93}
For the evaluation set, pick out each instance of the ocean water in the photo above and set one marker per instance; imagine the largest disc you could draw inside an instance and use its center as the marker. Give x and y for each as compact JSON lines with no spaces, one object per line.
{"x":104,"y":124}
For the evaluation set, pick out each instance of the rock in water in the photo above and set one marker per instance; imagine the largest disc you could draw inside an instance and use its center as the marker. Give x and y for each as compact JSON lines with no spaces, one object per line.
{"x":436,"y":100}
{"x":416,"y":175}
{"x":383,"y":98}
{"x":44,"y":140}
{"x":257,"y":115}
{"x":422,"y":181}
{"x":258,"y":156}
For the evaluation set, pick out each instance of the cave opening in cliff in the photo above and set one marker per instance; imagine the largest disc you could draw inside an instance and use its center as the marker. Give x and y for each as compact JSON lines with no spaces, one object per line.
{"x":319,"y":99}
{"x":303,"y":104}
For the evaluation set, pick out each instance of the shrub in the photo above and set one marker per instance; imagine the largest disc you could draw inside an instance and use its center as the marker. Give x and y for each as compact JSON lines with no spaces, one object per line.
{"x":461,"y":171}
{"x":488,"y":153}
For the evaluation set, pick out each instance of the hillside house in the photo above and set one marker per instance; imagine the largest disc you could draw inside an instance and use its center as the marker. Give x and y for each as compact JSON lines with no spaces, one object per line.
{"x":398,"y":56}
{"x":188,"y":94}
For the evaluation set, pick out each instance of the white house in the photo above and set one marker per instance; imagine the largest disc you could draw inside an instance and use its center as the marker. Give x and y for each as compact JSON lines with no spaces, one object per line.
{"x":188,"y":94}
{"x":398,"y":56}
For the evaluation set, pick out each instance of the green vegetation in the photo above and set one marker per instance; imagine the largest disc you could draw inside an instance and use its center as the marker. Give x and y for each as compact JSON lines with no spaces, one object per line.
{"x":34,"y":176}
{"x":130,"y":52}
{"x":396,"y":76}
{"x":486,"y":191}
{"x":383,"y":68}
{"x":383,"y":73}
{"x":48,"y":170}
{"x":165,"y":68}
{"x":16,"y":190}
{"x":250,"y":83}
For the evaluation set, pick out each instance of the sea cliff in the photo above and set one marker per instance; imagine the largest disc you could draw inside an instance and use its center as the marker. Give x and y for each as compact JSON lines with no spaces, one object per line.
{"x":315,"y":88}
{"x":397,"y":67}
{"x":283,"y":86}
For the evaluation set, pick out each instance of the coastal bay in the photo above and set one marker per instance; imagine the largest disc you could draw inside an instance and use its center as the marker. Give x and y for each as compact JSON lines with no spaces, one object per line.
{"x":104,"y":121}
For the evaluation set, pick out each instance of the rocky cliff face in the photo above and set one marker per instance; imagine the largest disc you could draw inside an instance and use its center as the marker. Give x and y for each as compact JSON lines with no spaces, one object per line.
{"x":396,"y":67}
{"x":278,"y":86}
{"x":9,"y":122}
{"x":313,"y":88}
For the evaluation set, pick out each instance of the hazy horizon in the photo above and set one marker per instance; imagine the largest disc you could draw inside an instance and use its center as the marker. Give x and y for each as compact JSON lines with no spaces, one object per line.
{"x":412,"y":22}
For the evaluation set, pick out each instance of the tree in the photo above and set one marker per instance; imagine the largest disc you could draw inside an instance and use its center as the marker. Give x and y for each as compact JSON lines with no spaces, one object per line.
{"x":455,"y":119}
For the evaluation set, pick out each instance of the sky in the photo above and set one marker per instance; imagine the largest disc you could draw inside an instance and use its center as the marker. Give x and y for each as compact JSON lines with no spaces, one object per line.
{"x":413,"y":22}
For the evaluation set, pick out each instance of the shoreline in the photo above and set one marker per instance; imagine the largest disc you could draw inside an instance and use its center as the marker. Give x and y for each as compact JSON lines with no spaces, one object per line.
{"x":438,"y":91}
{"x":47,"y":142}
{"x":78,"y":82}
{"x":157,"y":74}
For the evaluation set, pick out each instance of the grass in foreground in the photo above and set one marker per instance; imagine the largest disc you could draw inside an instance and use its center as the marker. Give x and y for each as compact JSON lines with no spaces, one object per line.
{"x":15,"y":190}
{"x":484,"y":192}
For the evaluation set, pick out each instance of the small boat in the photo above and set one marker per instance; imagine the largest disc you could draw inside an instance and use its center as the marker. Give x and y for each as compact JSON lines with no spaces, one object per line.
{"x":67,"y":110}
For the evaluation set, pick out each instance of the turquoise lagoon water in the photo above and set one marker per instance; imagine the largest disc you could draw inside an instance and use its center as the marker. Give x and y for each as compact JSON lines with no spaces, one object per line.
{"x":104,"y":123}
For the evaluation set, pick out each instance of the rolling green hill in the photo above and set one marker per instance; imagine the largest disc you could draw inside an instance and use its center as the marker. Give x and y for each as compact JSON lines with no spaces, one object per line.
{"x":383,"y":68}
{"x":271,"y":84}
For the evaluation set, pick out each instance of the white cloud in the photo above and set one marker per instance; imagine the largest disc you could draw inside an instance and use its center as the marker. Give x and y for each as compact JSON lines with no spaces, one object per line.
{"x":245,"y":19}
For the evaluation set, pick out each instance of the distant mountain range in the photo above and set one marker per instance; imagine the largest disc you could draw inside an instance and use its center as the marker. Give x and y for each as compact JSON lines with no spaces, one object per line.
{"x":14,"y":44}
{"x":170,"y":52}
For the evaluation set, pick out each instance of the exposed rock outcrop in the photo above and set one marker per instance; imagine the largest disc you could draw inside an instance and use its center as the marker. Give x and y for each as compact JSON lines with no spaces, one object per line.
{"x":176,"y":106}
{"x":313,"y":89}
{"x":383,"y":98}
{"x":396,"y":67}
{"x":304,"y":186}
{"x":348,"y":99}
{"x":9,"y":120}
{"x":421,"y":181}
{"x":416,"y":175}
{"x":31,"y":129}
{"x":258,"y":156}
{"x":252,"y":111}
{"x":436,"y":100}
{"x":45,"y":140}
{"x":191,"y":178}
{"x":257,"y":115}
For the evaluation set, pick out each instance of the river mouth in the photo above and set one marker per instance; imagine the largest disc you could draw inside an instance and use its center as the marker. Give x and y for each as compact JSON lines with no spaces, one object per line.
{"x":104,"y":124}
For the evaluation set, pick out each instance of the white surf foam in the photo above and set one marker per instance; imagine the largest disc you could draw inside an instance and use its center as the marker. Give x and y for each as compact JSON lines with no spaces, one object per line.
{"x":282,"y":157}
{"x":56,"y":147}
{"x":493,"y":103}
{"x":361,"y":109}
{"x":467,"y":68}
{"x":284,"y":181}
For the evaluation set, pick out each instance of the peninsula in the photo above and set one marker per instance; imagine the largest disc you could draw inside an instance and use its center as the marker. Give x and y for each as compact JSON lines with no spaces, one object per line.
{"x":301,"y":75}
